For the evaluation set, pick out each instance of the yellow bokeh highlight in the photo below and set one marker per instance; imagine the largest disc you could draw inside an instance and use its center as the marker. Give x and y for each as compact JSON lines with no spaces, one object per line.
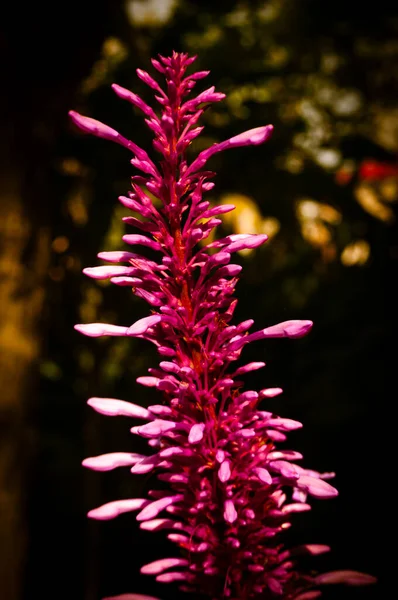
{"x":367,"y":197}
{"x":247,"y":218}
{"x":356,"y":253}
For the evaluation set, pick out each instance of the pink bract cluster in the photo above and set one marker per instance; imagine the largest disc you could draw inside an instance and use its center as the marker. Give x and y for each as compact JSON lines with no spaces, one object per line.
{"x":232,"y":492}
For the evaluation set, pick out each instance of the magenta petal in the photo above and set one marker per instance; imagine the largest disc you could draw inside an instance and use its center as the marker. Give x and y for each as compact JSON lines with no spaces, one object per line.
{"x":146,"y":465}
{"x":285,"y":455}
{"x":154,"y":508}
{"x":252,"y":137}
{"x":116,"y":508}
{"x":156,"y":427}
{"x":296,"y":507}
{"x":311,"y":595}
{"x":270,"y":392}
{"x":253,"y":366}
{"x":251,"y":241}
{"x":99,"y":329}
{"x":157,"y":524}
{"x":107,"y":462}
{"x":95,"y":127}
{"x":217,"y":210}
{"x":172,"y":576}
{"x":130,"y":597}
{"x":284,"y":424}
{"x":113,"y":408}
{"x":284,"y":468}
{"x":196,"y":433}
{"x":143,"y":325}
{"x":220,"y":456}
{"x":175,"y":451}
{"x":316,"y":487}
{"x":347,"y":577}
{"x":134,"y":99}
{"x":107,"y":272}
{"x":148,"y":381}
{"x":158,"y":566}
{"x":224,"y":472}
{"x":313,"y":549}
{"x":263,"y":475}
{"x":290,"y":329}
{"x":230,"y":514}
{"x":142,"y":240}
{"x":146,"y":78}
{"x":126,"y":281}
{"x":248,"y":138}
{"x":116,"y":256}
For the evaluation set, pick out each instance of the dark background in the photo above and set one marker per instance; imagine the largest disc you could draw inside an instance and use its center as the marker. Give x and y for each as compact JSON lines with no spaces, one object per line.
{"x":325,"y":74}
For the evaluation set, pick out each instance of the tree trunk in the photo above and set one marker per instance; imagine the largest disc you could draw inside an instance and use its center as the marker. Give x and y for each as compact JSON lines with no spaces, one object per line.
{"x":43,"y":67}
{"x":21,"y":301}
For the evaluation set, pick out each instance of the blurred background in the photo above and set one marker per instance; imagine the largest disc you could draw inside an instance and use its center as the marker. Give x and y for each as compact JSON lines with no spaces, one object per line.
{"x":324,"y":189}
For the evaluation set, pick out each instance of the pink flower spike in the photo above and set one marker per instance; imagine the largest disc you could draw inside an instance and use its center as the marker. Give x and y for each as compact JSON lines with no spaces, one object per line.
{"x":114,"y":509}
{"x":227,"y":487}
{"x":115,"y":408}
{"x":107,"y":462}
{"x":99,"y":329}
{"x":158,"y":566}
{"x":230,"y":514}
{"x":347,"y":577}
